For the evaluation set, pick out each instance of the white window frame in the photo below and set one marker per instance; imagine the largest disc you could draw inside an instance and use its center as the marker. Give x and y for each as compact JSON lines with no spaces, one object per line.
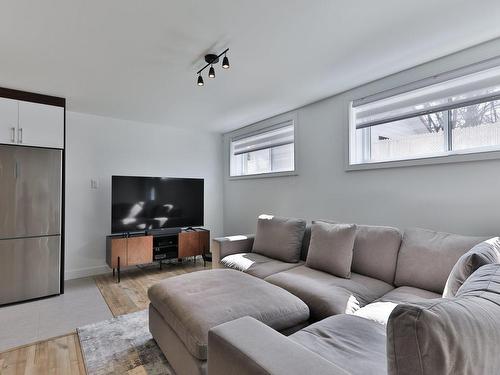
{"x":453,"y":156}
{"x":260,"y":127}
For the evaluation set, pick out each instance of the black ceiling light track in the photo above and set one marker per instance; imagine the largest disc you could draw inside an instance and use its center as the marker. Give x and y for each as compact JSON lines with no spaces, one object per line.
{"x":210,"y":60}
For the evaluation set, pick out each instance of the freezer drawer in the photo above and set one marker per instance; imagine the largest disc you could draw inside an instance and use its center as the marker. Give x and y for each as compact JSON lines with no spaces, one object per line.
{"x":29,"y":268}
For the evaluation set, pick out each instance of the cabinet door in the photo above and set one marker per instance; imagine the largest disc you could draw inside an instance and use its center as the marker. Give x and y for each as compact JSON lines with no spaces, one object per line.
{"x":139,"y":250}
{"x":41,"y":125}
{"x":117,"y":247}
{"x":8,"y":120}
{"x":189,"y":244}
{"x":204,"y":237}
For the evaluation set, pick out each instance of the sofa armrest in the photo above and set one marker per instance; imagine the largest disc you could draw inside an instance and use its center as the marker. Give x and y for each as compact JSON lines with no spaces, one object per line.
{"x":246,"y":346}
{"x":224,"y":246}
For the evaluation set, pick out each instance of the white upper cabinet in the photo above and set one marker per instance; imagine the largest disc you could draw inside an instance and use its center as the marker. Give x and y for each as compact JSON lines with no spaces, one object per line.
{"x":8,"y":120}
{"x":40,"y":125}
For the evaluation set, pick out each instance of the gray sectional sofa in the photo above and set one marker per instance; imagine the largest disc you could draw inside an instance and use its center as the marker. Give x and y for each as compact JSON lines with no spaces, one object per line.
{"x":387,"y":265}
{"x":366,"y":321}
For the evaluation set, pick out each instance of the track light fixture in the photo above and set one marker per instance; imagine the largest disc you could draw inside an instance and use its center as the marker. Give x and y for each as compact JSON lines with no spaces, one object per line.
{"x":212,"y":59}
{"x":200,"y":80}
{"x":225,"y":62}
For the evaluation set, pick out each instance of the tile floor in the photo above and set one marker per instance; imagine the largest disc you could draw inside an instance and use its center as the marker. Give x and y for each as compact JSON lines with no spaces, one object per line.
{"x":24,"y":323}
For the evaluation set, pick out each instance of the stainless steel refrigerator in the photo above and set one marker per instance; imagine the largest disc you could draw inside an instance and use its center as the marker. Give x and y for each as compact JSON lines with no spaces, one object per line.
{"x":30,"y":222}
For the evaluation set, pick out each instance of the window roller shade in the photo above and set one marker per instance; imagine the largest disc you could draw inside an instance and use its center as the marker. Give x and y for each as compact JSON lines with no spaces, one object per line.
{"x":459,"y":92}
{"x":283,"y":135}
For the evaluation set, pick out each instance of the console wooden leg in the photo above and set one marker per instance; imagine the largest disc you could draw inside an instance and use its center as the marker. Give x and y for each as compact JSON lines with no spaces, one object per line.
{"x":113,"y":272}
{"x":118,"y":269}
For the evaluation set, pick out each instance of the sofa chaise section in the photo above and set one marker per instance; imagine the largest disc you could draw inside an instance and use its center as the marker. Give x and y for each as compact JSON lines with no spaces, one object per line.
{"x":183,"y":309}
{"x":456,"y":335}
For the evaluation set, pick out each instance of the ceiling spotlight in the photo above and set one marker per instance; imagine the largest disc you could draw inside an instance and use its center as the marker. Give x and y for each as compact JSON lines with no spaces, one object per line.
{"x":225,"y":62}
{"x":210,"y":60}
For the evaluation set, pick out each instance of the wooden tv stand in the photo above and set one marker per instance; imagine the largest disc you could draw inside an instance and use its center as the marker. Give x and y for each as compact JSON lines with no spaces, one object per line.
{"x":131,"y":250}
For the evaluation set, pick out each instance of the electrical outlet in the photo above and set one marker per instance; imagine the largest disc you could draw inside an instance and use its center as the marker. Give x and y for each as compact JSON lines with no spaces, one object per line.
{"x":93,"y":183}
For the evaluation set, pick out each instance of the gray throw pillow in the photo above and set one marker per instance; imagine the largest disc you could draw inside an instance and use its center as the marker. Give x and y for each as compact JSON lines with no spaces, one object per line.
{"x":279,"y":237}
{"x":487,"y":252}
{"x":331,"y":248}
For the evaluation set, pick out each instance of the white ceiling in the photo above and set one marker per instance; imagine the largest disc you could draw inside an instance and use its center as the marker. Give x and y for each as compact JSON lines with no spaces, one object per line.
{"x":136,"y":60}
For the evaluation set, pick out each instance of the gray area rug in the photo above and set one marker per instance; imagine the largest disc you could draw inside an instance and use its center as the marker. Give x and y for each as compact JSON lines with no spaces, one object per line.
{"x":122,"y":345}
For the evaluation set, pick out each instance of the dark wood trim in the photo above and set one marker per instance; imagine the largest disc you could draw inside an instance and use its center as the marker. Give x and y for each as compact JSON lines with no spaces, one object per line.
{"x":32,"y":97}
{"x":63,"y":201}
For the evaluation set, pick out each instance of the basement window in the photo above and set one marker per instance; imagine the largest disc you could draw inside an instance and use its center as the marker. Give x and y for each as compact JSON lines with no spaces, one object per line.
{"x":456,"y":116}
{"x":264,"y":151}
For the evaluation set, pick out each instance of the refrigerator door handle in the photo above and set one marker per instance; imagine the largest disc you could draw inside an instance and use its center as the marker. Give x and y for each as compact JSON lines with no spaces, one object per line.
{"x":20,"y":135}
{"x":13,"y":134}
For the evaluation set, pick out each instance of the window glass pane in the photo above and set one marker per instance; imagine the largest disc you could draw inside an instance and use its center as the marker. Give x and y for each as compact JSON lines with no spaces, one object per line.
{"x":257,"y":162}
{"x":458,"y":114}
{"x":282,"y":158}
{"x":410,"y":138}
{"x":267,"y":152}
{"x":476,"y":126}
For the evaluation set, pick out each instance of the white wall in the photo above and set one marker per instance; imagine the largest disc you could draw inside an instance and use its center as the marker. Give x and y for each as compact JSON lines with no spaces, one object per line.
{"x":459,"y":197}
{"x":98,"y":147}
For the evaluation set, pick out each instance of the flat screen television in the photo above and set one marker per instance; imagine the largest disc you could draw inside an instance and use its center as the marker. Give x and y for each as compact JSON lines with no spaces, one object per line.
{"x":148,"y":203}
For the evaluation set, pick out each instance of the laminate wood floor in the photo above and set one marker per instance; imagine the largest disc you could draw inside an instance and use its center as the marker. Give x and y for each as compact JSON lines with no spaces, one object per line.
{"x":62,"y":355}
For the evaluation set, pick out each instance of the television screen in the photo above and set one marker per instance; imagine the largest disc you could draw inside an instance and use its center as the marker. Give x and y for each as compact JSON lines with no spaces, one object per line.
{"x":147,"y":203}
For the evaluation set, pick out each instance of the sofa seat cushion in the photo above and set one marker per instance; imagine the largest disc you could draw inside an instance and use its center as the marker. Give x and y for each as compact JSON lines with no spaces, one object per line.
{"x":380,"y":310}
{"x":426,"y":257}
{"x":256,"y":265}
{"x":193,"y":303}
{"x":328,"y":295}
{"x":355,"y":344}
{"x":408,"y":294}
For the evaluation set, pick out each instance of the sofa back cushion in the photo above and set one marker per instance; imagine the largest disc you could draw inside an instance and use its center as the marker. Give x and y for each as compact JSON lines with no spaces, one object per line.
{"x":486,"y":252}
{"x":330,"y":248}
{"x":279,"y":238}
{"x":426,"y":257}
{"x":376,"y":252}
{"x":449,"y":335}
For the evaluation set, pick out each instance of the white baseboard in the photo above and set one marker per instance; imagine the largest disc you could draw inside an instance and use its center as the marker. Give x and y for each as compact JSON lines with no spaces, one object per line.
{"x":85,"y":272}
